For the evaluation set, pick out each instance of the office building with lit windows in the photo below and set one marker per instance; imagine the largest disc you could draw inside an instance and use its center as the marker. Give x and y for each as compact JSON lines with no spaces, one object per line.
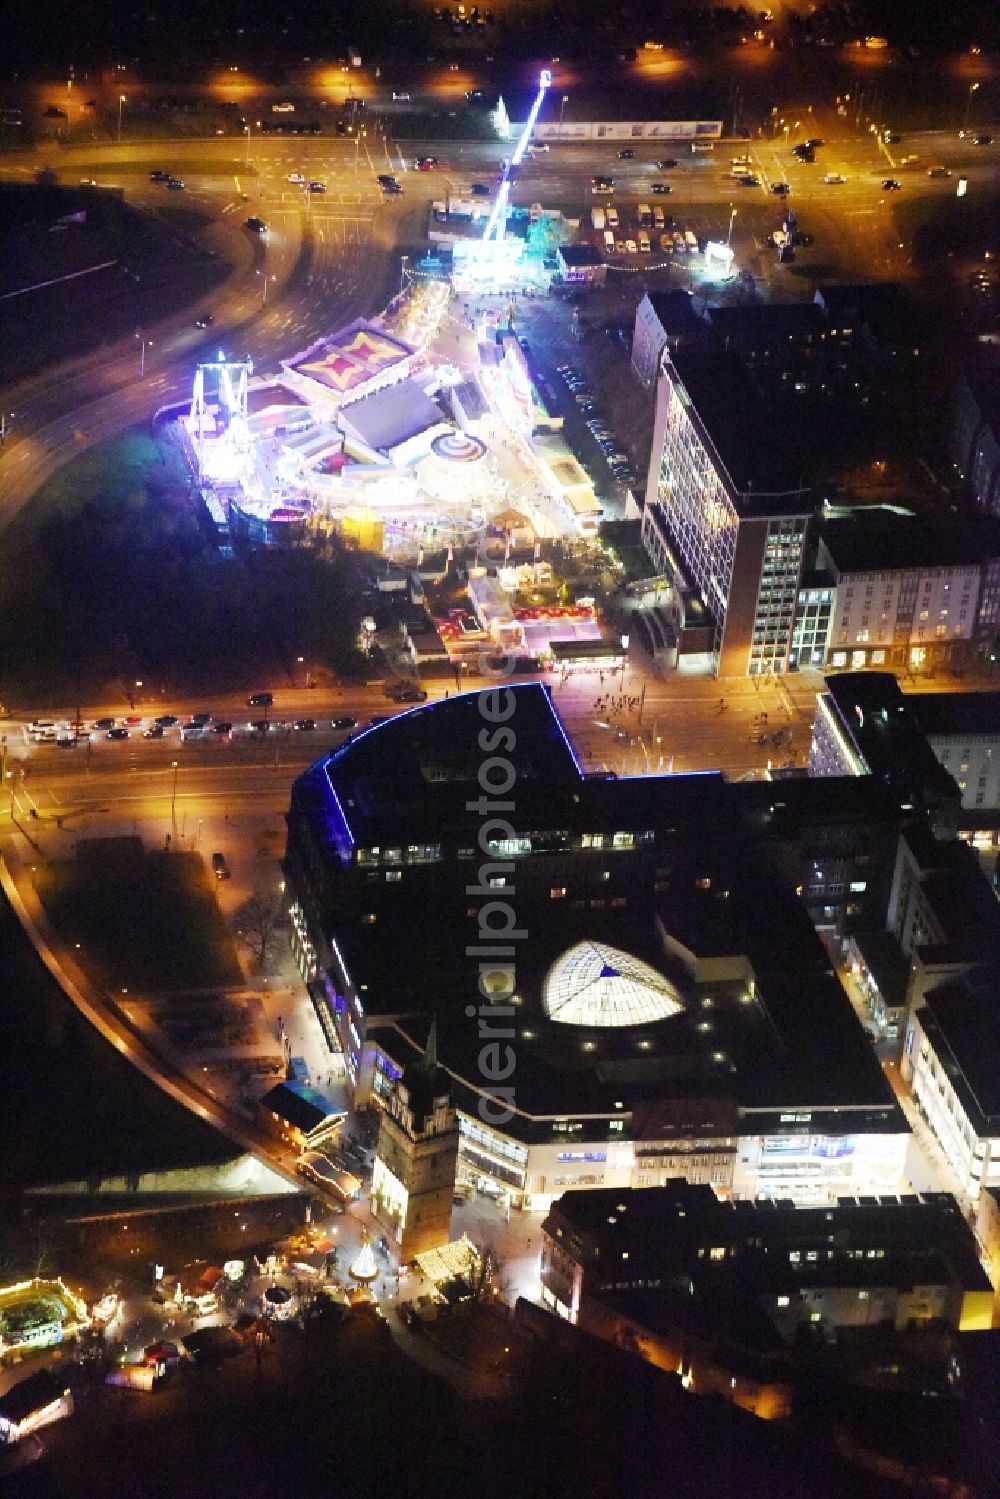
{"x":726,"y":499}
{"x":666,"y":1008}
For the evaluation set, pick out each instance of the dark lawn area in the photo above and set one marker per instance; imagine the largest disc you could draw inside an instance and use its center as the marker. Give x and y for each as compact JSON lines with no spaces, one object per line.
{"x":145,"y":920}
{"x":109,"y":576}
{"x":71,"y":1107}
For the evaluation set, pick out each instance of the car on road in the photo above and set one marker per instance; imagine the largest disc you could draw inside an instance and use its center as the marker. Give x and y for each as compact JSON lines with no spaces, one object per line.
{"x":938,"y":172}
{"x":749,"y":180}
{"x":304,"y":724}
{"x":255,"y":225}
{"x":626,"y":154}
{"x":219,"y":867}
{"x":982,"y":140}
{"x":660,"y":189}
{"x":602,"y":185}
{"x":891,"y":137}
{"x":66,"y":741}
{"x":260,"y":700}
{"x":296,"y":178}
{"x":666,"y":164}
{"x":316,"y":187}
{"x":780,"y":189}
{"x":166,"y":720}
{"x":155,"y":731}
{"x":833,"y":178}
{"x":402,"y":97}
{"x":425,"y":163}
{"x":262,"y":725}
{"x":118,"y":733}
{"x":159,"y":176}
{"x":384,"y":178}
{"x":891,"y":185}
{"x":814,"y":142}
{"x":99,"y":723}
{"x":344,"y":722}
{"x":204,"y":321}
{"x":393,"y":190}
{"x":201,"y":718}
{"x":175,"y":184}
{"x":480,"y":190}
{"x":804,"y":154}
{"x":907,"y":161}
{"x":222,"y":727}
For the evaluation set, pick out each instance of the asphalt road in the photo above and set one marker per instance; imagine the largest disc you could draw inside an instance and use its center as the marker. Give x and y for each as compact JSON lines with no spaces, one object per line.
{"x":333,"y":256}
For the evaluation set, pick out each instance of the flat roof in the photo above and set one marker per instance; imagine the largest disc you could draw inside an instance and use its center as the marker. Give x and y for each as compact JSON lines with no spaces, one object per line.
{"x":581,"y":255}
{"x":877,"y":717}
{"x":766,"y":324}
{"x":388,"y":418}
{"x":411,"y":785}
{"x":965,"y":1014}
{"x":876,"y":538}
{"x":758,"y":456}
{"x":959,"y":713}
{"x":674,"y":310}
{"x":350,"y":357}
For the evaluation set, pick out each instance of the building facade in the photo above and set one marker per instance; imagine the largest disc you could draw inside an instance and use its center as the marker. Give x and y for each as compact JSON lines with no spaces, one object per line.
{"x":735,"y":523}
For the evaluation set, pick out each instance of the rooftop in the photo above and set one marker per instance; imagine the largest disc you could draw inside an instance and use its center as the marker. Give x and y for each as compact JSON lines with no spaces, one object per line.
{"x":878,"y":538}
{"x":632,"y":968}
{"x":674,"y":310}
{"x":349,"y":358}
{"x":580,"y":255}
{"x":964,"y":1015}
{"x":759,"y":460}
{"x":387,"y":418}
{"x":964,"y":713}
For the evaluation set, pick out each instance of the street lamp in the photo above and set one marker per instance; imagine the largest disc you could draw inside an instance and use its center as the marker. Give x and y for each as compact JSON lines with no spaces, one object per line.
{"x":143,"y":341}
{"x":968,"y":106}
{"x":121,"y":101}
{"x":562,"y":105}
{"x":246,"y":131}
{"x":267,"y":278}
{"x":402,"y":273}
{"x":173,"y":794}
{"x":729,"y":236}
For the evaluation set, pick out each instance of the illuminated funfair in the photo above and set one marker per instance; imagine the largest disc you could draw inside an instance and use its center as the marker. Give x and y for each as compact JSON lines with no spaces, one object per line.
{"x":493,"y":256}
{"x":219,"y":431}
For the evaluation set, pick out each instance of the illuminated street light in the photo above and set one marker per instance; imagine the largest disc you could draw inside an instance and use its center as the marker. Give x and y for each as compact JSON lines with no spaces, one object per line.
{"x":173,"y":794}
{"x":729,"y":236}
{"x":562,"y":105}
{"x":968,"y":106}
{"x":143,"y":341}
{"x":121,"y":101}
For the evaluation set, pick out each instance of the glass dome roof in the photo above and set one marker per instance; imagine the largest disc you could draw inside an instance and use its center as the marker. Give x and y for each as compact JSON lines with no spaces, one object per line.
{"x":598,"y":985}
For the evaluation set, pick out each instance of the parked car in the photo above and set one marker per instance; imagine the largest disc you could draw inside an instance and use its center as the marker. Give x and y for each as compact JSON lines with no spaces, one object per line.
{"x":626,"y":154}
{"x":304,"y":724}
{"x":296,"y":178}
{"x":660,"y":189}
{"x":204,"y":321}
{"x":317,"y":187}
{"x":175,"y":184}
{"x":118,"y":733}
{"x":166,"y":720}
{"x":222,"y":727}
{"x":219,"y":867}
{"x":155,"y":731}
{"x":480,"y":190}
{"x":666,"y":164}
{"x":345,"y":722}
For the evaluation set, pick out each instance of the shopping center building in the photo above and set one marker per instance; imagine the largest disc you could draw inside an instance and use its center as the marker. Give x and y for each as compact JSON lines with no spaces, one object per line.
{"x":627,"y":987}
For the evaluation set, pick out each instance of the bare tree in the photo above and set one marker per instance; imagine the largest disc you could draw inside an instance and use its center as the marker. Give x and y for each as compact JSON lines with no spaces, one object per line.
{"x":256,"y":920}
